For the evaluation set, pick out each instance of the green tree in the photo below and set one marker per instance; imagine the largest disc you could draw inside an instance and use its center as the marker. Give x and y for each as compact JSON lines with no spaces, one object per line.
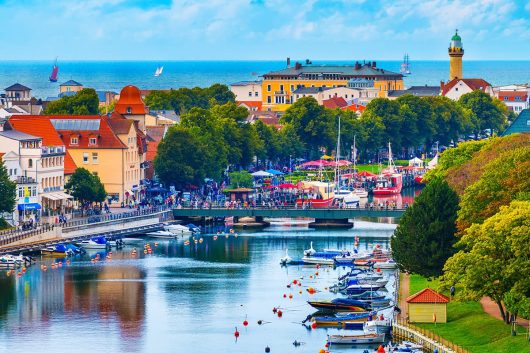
{"x":425,"y":236}
{"x":487,"y":113}
{"x":493,"y":260}
{"x":7,"y":191}
{"x":84,"y":102}
{"x":181,"y":159}
{"x":449,"y":119}
{"x":503,"y":179}
{"x":241,"y":179}
{"x":312,"y":123}
{"x":158,"y":100}
{"x":418,"y":122}
{"x":85,"y":187}
{"x":270,"y":138}
{"x":221,"y":94}
{"x":389,"y":113}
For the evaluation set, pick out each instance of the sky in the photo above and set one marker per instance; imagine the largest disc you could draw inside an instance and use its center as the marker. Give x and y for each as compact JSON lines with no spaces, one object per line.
{"x":262,"y":29}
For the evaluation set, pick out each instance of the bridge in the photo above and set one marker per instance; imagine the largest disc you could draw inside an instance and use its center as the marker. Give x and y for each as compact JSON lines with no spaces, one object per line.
{"x":338,"y":217}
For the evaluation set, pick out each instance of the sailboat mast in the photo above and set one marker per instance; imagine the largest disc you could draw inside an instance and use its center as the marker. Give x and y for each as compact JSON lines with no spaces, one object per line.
{"x":337,"y":159}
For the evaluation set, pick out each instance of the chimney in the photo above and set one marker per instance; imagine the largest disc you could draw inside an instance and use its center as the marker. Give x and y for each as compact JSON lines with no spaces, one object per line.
{"x":288,"y":62}
{"x":373,"y":64}
{"x":297,"y":66}
{"x":357,"y":65}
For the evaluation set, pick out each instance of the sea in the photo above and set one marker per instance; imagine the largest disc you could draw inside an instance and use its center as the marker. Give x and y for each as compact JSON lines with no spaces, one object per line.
{"x":114,"y":75}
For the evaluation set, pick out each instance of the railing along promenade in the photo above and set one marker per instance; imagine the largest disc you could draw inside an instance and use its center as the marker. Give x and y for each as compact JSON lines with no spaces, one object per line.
{"x":289,"y":210}
{"x":13,"y":235}
{"x":402,"y":329}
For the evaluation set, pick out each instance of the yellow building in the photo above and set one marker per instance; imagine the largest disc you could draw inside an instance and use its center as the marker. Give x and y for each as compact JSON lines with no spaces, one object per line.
{"x":456,"y":52}
{"x":70,"y":86}
{"x":111,"y":148}
{"x":278,"y":86}
{"x":427,"y":306}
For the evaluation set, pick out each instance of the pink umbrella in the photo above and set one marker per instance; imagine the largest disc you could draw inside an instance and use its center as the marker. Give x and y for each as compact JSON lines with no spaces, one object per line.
{"x":287,"y":186}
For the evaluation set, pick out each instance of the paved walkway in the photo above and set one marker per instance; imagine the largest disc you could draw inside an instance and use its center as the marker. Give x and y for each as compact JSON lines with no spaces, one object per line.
{"x":403,"y":294}
{"x":491,"y":308}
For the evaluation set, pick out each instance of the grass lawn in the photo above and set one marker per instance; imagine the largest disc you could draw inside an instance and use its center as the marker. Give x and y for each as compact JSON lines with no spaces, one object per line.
{"x":471,"y":328}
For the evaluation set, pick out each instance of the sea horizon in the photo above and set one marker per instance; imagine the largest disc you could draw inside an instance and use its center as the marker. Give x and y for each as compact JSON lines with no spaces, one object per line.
{"x":113,"y":75}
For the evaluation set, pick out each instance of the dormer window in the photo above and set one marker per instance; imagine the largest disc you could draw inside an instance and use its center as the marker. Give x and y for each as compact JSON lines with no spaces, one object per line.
{"x":93,"y":141}
{"x":129,"y":110}
{"x":74,"y":140}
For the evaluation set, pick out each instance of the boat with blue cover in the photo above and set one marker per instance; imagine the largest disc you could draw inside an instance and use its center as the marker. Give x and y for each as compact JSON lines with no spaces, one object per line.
{"x":57,"y":250}
{"x":351,"y":321}
{"x":98,"y":242}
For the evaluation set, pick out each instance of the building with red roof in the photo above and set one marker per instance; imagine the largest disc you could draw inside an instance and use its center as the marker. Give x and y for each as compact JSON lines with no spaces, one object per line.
{"x":357,"y":108}
{"x":250,"y":105}
{"x":427,"y":306}
{"x":334,"y":103}
{"x":457,"y":87}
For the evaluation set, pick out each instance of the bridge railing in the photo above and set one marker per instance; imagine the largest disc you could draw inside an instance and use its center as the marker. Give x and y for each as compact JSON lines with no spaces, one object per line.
{"x":115,"y":216}
{"x":11,"y":237}
{"x":291,"y":206}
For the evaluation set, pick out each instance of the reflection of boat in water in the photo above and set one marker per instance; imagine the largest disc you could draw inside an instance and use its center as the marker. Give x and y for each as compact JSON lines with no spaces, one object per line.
{"x":165,"y":234}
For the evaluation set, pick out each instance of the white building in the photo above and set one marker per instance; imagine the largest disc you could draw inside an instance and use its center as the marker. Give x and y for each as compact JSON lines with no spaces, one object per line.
{"x":516,"y":97}
{"x":359,"y":95}
{"x":457,"y":87}
{"x":247,"y":91}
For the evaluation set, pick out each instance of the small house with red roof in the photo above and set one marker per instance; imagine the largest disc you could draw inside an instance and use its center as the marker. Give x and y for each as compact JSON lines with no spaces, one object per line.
{"x":457,"y":87}
{"x":427,"y":306}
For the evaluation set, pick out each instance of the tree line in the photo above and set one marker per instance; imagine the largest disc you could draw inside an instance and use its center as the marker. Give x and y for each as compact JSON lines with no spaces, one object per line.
{"x":471,"y":224}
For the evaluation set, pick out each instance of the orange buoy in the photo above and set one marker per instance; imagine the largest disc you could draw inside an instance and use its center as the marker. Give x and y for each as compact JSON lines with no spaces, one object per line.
{"x":290,"y":296}
{"x":316,"y":273}
{"x":381,"y":349}
{"x":300,"y":292}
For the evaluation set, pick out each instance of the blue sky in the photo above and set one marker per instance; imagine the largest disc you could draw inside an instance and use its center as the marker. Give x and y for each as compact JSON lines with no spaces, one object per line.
{"x":262,"y":29}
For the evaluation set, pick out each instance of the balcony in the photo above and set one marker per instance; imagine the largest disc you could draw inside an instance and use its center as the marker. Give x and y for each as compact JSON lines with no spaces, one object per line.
{"x":52,"y":189}
{"x":25,"y":180}
{"x":280,"y":93}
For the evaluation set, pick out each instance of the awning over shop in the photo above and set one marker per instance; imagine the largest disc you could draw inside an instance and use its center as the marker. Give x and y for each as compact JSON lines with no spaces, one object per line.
{"x":57,"y":196}
{"x":28,"y":206}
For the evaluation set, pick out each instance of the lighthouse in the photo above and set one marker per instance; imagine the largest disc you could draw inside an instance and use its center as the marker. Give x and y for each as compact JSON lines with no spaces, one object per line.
{"x":456,"y":52}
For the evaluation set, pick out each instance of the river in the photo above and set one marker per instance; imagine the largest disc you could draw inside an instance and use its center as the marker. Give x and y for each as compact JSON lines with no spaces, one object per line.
{"x":180,"y":298}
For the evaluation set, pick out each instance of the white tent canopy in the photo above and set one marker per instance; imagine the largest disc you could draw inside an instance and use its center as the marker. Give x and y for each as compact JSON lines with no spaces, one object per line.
{"x":261,"y":173}
{"x":433,"y":163}
{"x":415,"y":162}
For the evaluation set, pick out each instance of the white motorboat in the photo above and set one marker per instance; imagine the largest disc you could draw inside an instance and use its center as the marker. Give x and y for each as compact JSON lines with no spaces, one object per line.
{"x":178,"y":229}
{"x":316,"y":260}
{"x":361,"y":193}
{"x":380,"y":325}
{"x":11,"y":261}
{"x":386,"y":265}
{"x":94,"y":243}
{"x":349,"y":198}
{"x":162,"y":234}
{"x":363,"y":338}
{"x":132,"y":241}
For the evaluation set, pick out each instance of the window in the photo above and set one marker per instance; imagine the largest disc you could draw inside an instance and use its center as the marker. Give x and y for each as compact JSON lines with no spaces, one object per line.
{"x":528,"y":123}
{"x":292,"y":88}
{"x":74,"y":140}
{"x":20,"y":192}
{"x":85,"y":157}
{"x":15,"y":171}
{"x":256,"y":94}
{"x":281,"y":88}
{"x":93,"y":141}
{"x":269,"y":100}
{"x":30,"y":163}
{"x":268,"y":88}
{"x":95,"y":157}
{"x":456,"y":89}
{"x":250,"y":94}
{"x":129,"y":110}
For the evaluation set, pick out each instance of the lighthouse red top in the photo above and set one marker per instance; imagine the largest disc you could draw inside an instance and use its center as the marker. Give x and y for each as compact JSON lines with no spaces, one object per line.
{"x":130,"y":101}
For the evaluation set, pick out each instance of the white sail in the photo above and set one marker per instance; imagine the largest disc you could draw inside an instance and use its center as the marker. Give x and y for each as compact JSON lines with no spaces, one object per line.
{"x":158,"y":71}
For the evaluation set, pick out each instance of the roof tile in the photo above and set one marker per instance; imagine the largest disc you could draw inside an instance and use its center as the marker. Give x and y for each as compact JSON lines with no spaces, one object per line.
{"x":428,"y":295}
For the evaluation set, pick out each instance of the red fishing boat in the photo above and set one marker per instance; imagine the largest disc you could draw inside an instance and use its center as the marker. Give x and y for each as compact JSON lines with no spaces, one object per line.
{"x":318,"y":195}
{"x":55,"y":71}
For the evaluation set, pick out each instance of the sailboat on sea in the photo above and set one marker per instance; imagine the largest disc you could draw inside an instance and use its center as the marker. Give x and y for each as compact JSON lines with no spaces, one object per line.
{"x":158,"y":71}
{"x":55,"y":71}
{"x":405,"y":69}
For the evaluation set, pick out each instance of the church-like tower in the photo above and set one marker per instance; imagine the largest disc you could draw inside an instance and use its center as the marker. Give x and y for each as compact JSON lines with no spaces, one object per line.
{"x":456,"y":52}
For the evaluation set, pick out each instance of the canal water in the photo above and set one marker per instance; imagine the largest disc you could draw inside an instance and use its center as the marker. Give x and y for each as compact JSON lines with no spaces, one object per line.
{"x":181,"y":298}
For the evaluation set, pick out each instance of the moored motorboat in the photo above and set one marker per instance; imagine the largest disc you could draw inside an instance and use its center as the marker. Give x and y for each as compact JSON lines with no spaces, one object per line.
{"x":363,"y":338}
{"x":380,"y":325}
{"x":359,"y":288}
{"x":317,"y":260}
{"x":57,"y":250}
{"x":386,"y":265}
{"x":99,"y":242}
{"x":347,"y":320}
{"x":339,"y":304}
{"x":162,"y":234}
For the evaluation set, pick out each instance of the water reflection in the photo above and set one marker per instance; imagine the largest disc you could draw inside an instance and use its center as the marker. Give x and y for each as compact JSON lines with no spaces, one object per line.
{"x":179,"y":298}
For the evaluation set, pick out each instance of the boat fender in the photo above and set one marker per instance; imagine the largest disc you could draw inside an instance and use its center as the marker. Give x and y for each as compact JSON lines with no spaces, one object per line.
{"x":280,"y":313}
{"x":314,"y":325}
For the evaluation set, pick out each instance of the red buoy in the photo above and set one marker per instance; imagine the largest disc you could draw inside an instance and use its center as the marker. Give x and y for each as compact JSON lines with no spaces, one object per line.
{"x":236,"y":333}
{"x":285,"y":295}
{"x":245,"y":323}
{"x":280,"y":314}
{"x":295,"y":281}
{"x":314,"y":325}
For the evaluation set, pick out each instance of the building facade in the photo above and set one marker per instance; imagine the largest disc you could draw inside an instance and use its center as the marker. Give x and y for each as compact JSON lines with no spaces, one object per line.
{"x":278,"y":87}
{"x":247,"y":91}
{"x":515,"y":97}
